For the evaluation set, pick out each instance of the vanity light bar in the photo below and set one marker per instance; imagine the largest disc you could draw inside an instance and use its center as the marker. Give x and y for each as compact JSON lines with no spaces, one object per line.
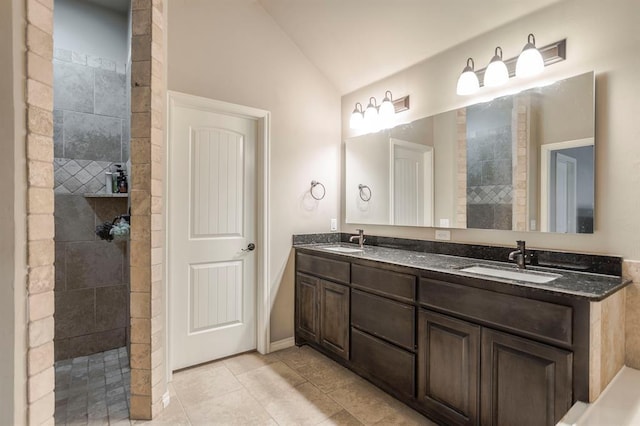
{"x":401,"y":104}
{"x":551,"y":53}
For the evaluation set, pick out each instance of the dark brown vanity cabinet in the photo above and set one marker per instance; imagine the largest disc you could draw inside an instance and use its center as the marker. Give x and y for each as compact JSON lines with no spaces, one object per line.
{"x":383,"y":328}
{"x":468,"y":373}
{"x":461,"y":351}
{"x":322,"y":306}
{"x":449,"y":368}
{"x":523,"y":382}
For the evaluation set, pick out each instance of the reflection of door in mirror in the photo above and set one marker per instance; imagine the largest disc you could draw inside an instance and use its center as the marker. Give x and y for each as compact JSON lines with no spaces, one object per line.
{"x":411,"y":186}
{"x":567,"y":196}
{"x":563,"y":198}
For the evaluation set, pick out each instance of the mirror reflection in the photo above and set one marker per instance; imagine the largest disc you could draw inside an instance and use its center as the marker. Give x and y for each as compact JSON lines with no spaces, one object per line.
{"x":522,"y":162}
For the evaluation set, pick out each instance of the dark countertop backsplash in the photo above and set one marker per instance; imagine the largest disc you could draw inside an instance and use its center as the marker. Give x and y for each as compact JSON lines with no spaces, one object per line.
{"x":577,"y":262}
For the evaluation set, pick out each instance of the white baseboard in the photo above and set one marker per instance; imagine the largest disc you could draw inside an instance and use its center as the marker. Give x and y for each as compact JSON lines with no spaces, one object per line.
{"x":281,"y":344}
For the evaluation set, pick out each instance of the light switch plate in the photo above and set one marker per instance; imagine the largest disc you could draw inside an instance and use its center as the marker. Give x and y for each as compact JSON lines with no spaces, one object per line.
{"x":334,"y":224}
{"x":441,"y":234}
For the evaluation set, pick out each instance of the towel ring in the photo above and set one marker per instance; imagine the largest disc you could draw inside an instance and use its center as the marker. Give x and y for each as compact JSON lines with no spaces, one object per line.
{"x":363,"y":192}
{"x":315,"y":183}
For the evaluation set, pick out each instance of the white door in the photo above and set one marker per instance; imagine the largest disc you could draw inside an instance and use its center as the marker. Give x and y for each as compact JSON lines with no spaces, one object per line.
{"x":412,"y":183}
{"x":212,"y":223}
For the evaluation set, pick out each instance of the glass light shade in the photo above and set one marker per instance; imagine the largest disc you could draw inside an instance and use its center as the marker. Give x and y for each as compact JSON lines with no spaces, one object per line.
{"x":468,"y":81}
{"x":497,"y":73}
{"x":530,"y":62}
{"x":371,"y":116}
{"x":387,"y":110}
{"x":357,"y":120}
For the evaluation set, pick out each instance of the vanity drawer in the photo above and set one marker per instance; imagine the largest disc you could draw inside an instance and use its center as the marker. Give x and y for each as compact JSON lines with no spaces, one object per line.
{"x":383,"y":362}
{"x":388,"y":319}
{"x":335,"y":270}
{"x":534,"y":318}
{"x":387,"y":283}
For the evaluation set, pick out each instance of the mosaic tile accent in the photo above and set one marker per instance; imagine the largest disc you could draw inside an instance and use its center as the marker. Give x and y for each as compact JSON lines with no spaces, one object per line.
{"x":80,"y":176}
{"x":490,"y":194}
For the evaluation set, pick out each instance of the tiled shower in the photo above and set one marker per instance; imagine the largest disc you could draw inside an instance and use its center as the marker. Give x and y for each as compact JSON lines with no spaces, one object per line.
{"x":91,"y":136}
{"x":91,"y":131}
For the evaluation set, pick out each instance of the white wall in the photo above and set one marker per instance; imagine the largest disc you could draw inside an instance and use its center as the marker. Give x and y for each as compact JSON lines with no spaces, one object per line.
{"x":233,"y":51}
{"x":601,"y":36}
{"x":12,"y":214}
{"x":81,"y":26}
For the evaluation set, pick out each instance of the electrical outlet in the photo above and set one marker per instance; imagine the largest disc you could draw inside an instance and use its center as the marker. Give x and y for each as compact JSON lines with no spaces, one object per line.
{"x":334,"y":224}
{"x":441,"y":234}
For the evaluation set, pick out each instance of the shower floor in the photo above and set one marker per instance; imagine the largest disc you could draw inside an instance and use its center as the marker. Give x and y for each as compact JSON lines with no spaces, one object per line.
{"x":93,"y":389}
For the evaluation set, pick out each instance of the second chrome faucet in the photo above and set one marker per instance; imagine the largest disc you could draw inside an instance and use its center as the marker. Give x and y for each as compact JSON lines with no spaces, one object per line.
{"x":359,"y":237}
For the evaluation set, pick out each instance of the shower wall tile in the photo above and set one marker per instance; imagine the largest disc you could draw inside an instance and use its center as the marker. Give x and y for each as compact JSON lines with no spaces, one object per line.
{"x":60,"y":267}
{"x":111,"y":93}
{"x":112,"y":312}
{"x":91,"y":128}
{"x":75,"y":313}
{"x":72,"y":87}
{"x":92,"y":137}
{"x":95,"y":264}
{"x":107,"y":209}
{"x":89,"y":344}
{"x":74,"y":218}
{"x":497,"y":172}
{"x":58,"y":147}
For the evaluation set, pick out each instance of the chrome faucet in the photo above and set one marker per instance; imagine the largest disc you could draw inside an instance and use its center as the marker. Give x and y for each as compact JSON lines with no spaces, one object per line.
{"x":359,"y":237}
{"x":520,"y":255}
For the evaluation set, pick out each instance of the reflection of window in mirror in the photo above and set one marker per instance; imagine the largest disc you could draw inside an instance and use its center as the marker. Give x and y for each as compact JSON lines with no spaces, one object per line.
{"x":567,"y":189}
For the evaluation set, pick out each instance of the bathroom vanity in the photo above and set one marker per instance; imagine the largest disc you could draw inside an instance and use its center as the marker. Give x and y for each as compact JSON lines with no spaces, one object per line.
{"x":462,"y":345}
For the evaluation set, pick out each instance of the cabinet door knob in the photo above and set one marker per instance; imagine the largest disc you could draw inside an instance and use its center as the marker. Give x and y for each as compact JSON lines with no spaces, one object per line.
{"x":250,"y":247}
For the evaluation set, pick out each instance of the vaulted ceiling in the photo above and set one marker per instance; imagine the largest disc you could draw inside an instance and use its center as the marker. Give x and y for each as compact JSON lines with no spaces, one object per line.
{"x":356,"y":42}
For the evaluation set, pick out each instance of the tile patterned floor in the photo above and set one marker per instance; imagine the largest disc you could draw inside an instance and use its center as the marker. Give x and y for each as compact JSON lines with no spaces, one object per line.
{"x":296,"y":386}
{"x":93,"y":389}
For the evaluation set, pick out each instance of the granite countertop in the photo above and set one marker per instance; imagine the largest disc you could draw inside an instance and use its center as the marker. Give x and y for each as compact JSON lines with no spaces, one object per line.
{"x":578,"y":284}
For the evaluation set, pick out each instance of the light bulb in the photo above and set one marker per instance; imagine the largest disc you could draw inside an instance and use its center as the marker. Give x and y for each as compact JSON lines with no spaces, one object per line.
{"x":387,"y":111}
{"x":530,"y":61}
{"x":357,"y":118}
{"x":496,"y":73}
{"x":468,"y":81}
{"x":371,"y":115}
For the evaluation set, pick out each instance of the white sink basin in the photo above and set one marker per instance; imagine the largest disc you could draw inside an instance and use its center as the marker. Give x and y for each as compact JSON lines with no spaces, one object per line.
{"x":512,"y":274}
{"x":344,"y":249}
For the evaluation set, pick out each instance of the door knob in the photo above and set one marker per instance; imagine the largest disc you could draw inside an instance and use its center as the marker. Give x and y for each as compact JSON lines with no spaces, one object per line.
{"x":250,"y":247}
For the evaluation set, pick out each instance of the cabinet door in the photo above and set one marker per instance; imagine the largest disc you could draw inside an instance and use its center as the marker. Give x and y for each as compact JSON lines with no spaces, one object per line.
{"x":523,"y":382}
{"x":307,"y":308}
{"x":334,"y":318}
{"x":448,"y":368}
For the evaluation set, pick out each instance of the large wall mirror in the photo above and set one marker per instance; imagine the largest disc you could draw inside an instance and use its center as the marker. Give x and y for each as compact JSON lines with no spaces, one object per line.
{"x":522,"y":162}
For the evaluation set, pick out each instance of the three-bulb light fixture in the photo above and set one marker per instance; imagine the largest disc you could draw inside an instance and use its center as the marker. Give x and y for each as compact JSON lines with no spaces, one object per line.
{"x":530,"y":63}
{"x":374,"y":117}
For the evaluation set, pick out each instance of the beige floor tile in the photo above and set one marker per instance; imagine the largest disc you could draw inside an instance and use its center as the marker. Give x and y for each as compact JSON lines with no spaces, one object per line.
{"x":406,"y":416}
{"x":364,"y":401}
{"x":235,"y":408}
{"x":246,"y":362}
{"x":343,"y":418}
{"x":271,"y":379}
{"x":174,"y":414}
{"x":201,"y":384}
{"x":326,"y":374}
{"x":298,"y":357}
{"x":304,"y":405}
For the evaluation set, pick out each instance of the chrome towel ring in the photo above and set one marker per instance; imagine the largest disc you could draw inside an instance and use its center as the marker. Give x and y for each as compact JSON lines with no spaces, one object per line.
{"x":315,"y":183}
{"x":365,"y":192}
